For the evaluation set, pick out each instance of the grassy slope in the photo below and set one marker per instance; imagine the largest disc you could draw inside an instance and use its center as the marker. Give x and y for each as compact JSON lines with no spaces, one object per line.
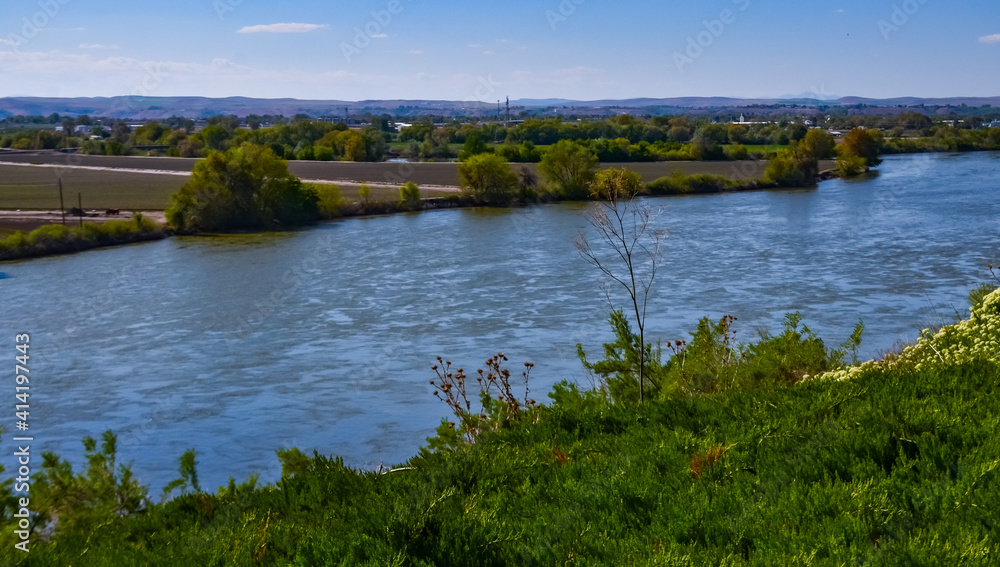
{"x":899,"y":465}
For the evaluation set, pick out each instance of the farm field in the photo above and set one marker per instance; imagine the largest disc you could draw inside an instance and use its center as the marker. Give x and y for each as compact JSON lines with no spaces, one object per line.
{"x":36,"y":188}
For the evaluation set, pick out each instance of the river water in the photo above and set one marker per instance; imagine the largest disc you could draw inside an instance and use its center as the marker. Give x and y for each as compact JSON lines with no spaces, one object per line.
{"x":323,"y":338}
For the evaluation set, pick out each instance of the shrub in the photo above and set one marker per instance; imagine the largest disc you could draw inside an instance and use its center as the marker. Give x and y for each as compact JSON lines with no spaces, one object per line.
{"x":245,"y":188}
{"x":792,"y":168}
{"x":409,"y":196}
{"x":850,"y":165}
{"x":329,"y":198}
{"x":488,"y":179}
{"x":569,"y":168}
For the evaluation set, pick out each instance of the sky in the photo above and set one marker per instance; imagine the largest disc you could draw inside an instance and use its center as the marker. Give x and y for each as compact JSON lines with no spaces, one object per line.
{"x":571,"y":49}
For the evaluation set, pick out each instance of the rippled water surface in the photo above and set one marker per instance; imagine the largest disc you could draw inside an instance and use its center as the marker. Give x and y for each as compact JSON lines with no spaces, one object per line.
{"x":323,"y":338}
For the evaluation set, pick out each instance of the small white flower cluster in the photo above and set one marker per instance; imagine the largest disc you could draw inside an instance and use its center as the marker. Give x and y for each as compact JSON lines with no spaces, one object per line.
{"x":976,"y":338}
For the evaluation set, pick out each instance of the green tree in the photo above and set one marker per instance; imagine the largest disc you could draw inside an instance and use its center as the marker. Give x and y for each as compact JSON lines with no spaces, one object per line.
{"x":709,"y":140}
{"x":245,"y":188}
{"x":569,"y":168}
{"x":794,"y":167}
{"x":409,"y":195}
{"x":364,"y":191}
{"x":861,"y":143}
{"x":818,"y":143}
{"x":474,"y":146}
{"x":488,"y":179}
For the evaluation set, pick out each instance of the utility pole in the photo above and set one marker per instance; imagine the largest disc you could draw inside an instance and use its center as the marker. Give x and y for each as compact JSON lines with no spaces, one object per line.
{"x":79,"y":201}
{"x":508,"y":111}
{"x":62,"y":206}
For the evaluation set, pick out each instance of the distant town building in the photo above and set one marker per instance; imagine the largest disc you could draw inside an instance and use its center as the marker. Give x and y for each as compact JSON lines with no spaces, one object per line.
{"x":743,"y":120}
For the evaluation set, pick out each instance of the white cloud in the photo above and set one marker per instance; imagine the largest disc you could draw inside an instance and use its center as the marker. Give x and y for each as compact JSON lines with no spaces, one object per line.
{"x":6,"y":42}
{"x":416,"y":52}
{"x":380,"y":36}
{"x":995,"y":38}
{"x":489,"y":52}
{"x":282,"y":28}
{"x":97,"y":46}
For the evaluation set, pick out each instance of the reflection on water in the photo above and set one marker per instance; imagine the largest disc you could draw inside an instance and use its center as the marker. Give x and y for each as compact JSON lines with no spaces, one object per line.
{"x":323,"y":338}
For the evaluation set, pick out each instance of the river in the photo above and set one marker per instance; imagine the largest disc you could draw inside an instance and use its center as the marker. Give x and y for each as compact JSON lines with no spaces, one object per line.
{"x":323,"y":338}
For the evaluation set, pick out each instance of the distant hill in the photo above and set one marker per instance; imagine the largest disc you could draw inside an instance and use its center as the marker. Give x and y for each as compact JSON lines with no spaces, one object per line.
{"x":195,"y":107}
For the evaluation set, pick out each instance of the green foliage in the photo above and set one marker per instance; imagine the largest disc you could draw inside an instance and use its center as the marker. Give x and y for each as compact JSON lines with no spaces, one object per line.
{"x":737,"y":152}
{"x":188,"y":481}
{"x":409,"y":196}
{"x":615,"y":183}
{"x":364,"y":191}
{"x":329,"y":199}
{"x":978,"y":295}
{"x":488,"y":179}
{"x":861,"y":143}
{"x":526,"y":152}
{"x":713,"y":361}
{"x":818,"y":144}
{"x":677,"y":183}
{"x":794,"y":167}
{"x":245,"y":188}
{"x":474,"y":146}
{"x":569,"y":168}
{"x":74,"y":503}
{"x":59,"y":239}
{"x":619,"y":371}
{"x":850,"y":165}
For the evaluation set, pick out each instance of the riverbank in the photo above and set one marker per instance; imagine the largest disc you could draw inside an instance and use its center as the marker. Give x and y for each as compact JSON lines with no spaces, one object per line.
{"x":876,"y":469}
{"x":53,"y":239}
{"x":17,"y":246}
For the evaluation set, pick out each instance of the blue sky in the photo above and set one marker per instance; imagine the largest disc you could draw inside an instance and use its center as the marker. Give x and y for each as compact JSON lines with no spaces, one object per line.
{"x":577,"y":49}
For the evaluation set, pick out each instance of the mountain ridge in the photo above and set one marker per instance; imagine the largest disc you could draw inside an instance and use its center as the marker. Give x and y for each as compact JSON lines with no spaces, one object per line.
{"x":198,"y":107}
